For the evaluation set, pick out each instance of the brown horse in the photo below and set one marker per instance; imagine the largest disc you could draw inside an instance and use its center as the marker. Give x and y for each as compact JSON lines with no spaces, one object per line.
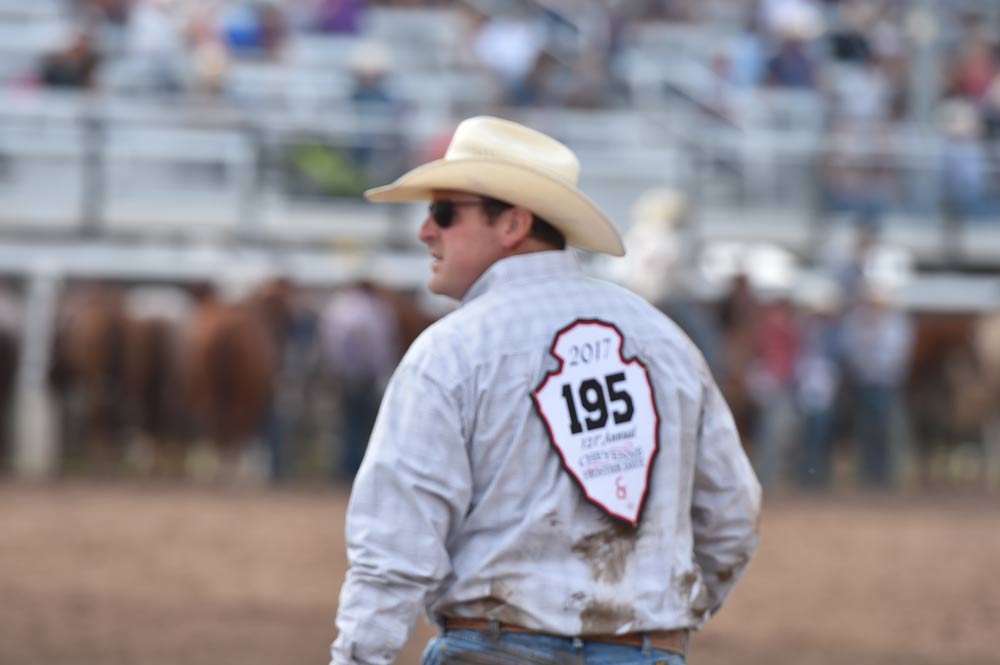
{"x":739,"y":314}
{"x":88,"y":373}
{"x":10,"y":342}
{"x":232,"y":358}
{"x":156,"y":318}
{"x":114,"y":374}
{"x":949,"y":394}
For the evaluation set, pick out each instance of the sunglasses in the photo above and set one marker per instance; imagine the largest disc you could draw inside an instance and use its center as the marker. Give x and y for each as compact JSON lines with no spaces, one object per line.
{"x":443,"y":212}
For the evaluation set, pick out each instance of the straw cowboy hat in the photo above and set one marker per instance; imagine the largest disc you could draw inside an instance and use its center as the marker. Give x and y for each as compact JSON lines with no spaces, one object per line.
{"x":518,"y":165}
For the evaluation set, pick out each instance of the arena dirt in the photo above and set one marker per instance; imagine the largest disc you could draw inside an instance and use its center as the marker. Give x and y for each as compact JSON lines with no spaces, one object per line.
{"x":125,"y":573}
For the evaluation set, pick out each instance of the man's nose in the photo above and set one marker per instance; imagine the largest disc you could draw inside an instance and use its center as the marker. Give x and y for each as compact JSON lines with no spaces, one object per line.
{"x":427,"y":230}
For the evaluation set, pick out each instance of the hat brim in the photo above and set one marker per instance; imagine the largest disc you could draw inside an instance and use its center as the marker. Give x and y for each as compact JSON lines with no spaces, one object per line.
{"x":560,"y":204}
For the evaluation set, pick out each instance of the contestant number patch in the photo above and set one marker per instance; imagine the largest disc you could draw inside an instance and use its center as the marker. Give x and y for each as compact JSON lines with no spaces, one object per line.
{"x":601,"y":416}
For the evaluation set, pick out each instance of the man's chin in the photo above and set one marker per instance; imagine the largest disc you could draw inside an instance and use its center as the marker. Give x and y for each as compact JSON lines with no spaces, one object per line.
{"x":436,"y":287}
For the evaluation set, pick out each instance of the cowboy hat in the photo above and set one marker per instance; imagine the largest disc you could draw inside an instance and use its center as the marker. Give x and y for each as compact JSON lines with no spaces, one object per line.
{"x":517,"y":165}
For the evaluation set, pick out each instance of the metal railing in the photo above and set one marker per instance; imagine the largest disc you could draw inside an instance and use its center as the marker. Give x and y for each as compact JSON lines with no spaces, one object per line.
{"x":105,"y":166}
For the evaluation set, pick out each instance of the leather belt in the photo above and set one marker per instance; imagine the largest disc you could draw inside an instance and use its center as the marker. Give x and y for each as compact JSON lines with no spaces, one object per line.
{"x":674,"y":641}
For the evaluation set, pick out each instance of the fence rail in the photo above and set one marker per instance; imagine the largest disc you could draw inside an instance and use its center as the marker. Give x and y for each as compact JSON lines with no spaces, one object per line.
{"x":106,"y":166}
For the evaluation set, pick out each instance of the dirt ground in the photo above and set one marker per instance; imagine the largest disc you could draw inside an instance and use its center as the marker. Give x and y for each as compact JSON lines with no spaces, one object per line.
{"x":156,"y":575}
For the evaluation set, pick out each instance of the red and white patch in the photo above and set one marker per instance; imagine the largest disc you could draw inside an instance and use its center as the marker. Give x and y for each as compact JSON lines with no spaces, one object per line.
{"x":601,"y":416}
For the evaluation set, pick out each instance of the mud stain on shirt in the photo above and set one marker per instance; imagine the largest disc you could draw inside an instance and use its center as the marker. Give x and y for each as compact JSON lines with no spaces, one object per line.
{"x":602,"y":617}
{"x":608,"y":551}
{"x":685,"y":583}
{"x":497,"y":606}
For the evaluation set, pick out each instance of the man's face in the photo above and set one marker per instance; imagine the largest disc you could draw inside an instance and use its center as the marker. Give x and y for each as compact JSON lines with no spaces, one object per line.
{"x":464,"y":248}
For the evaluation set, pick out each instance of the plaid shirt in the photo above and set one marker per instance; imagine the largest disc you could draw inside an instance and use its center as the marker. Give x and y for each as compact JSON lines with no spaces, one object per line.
{"x":463,"y":508}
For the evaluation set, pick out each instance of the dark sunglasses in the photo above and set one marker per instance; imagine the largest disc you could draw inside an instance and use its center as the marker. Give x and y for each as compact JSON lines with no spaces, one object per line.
{"x":443,"y":212}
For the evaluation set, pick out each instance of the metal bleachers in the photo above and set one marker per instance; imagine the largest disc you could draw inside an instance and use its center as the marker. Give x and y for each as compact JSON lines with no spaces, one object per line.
{"x":426,"y":39}
{"x":170,"y":180}
{"x":278,"y":86}
{"x":41,"y":177}
{"x":23,"y":44}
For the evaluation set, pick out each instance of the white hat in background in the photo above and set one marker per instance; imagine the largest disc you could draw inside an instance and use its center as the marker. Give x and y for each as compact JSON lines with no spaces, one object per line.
{"x":960,"y":119}
{"x":797,"y":20}
{"x":818,"y":293}
{"x":371,"y":58}
{"x":659,"y":207}
{"x":771,"y":269}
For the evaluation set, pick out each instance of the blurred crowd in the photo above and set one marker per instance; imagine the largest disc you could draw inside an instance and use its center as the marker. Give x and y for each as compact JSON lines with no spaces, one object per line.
{"x":858,"y":53}
{"x":888,"y":84}
{"x":171,"y":46}
{"x":830,"y":379}
{"x":803,"y":374}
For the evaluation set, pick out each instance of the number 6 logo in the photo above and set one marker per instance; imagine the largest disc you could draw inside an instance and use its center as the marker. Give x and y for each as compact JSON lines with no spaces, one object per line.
{"x":600,"y":413}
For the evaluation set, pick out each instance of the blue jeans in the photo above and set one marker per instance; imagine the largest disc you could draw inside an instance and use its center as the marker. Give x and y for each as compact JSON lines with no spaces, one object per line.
{"x":817,"y":448}
{"x":474,"y":647}
{"x":358,"y":410}
{"x":875,"y":410}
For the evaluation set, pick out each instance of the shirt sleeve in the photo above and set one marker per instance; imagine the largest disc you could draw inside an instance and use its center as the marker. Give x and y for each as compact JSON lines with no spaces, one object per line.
{"x":725,"y":506}
{"x":414,"y":485}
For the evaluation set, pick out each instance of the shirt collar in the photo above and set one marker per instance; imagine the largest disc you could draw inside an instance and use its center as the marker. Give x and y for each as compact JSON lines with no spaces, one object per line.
{"x":523,"y":267}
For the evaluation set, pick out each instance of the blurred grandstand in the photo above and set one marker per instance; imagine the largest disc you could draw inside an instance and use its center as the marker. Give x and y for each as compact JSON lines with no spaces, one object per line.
{"x":189,"y":140}
{"x":251,"y":123}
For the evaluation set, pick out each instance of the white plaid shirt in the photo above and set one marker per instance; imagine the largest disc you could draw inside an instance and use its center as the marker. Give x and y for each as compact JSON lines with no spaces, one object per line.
{"x":462,"y":506}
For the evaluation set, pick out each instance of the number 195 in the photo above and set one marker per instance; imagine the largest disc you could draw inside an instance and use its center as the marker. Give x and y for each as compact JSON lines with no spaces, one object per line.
{"x":595,"y":402}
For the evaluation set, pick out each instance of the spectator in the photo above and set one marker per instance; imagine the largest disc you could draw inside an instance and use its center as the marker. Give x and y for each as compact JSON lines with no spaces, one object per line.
{"x":359,"y":331}
{"x":272,"y":29}
{"x":299,"y":350}
{"x":114,"y":12}
{"x":858,"y":177}
{"x":772,"y":382}
{"x":74,"y":66}
{"x":155,"y":45}
{"x":818,"y":380}
{"x":890,"y":57}
{"x":339,"y":16}
{"x":379,"y":150}
{"x":991,"y":112}
{"x":369,"y":65}
{"x":849,"y":41}
{"x":591,"y":83}
{"x":850,"y":268}
{"x":509,"y":45}
{"x":210,"y":67}
{"x":256,"y":30}
{"x":966,"y":171}
{"x":795,"y":25}
{"x":974,"y":66}
{"x":792,"y":65}
{"x":746,"y":61}
{"x":877,"y":342}
{"x":106,"y":21}
{"x":738,"y":314}
{"x":861,"y":86}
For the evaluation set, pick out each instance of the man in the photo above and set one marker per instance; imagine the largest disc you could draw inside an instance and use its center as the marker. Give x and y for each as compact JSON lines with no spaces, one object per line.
{"x":877,"y":339}
{"x":360,"y":338}
{"x":553,"y":474}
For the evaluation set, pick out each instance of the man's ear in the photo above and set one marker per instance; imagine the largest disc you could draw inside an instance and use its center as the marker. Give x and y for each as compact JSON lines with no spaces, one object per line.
{"x":516,"y":226}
